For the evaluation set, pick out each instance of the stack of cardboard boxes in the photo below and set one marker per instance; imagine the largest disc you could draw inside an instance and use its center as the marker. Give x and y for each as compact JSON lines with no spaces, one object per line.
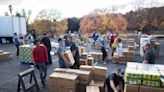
{"x":84,"y":77}
{"x":4,"y":55}
{"x":128,"y":55}
{"x":62,"y":82}
{"x":143,"y":78}
{"x":98,"y":75}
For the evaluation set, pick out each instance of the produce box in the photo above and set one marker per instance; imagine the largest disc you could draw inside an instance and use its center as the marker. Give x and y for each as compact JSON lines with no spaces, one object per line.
{"x":100,"y":84}
{"x":69,"y":56}
{"x":83,"y":61}
{"x":128,"y":53}
{"x":90,"y":61}
{"x":146,"y":89}
{"x":151,"y":75}
{"x":158,"y":89}
{"x":133,"y":76}
{"x":159,"y":67}
{"x":132,"y":65}
{"x":99,"y":78}
{"x":4,"y":55}
{"x":131,"y":48}
{"x":84,"y":56}
{"x":100,"y":71}
{"x":84,"y":77}
{"x":131,"y":88}
{"x":92,"y":89}
{"x":61,"y":82}
{"x":147,"y":67}
{"x":25,"y":53}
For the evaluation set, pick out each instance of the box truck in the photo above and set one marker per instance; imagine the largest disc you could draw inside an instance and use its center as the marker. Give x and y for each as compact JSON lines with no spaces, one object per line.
{"x":10,"y":25}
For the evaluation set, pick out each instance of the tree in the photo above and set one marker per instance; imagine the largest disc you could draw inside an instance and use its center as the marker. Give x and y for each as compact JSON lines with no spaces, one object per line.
{"x":102,"y":21}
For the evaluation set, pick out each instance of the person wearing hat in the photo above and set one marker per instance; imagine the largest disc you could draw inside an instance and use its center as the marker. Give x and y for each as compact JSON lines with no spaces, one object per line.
{"x":115,"y":82}
{"x":149,"y":55}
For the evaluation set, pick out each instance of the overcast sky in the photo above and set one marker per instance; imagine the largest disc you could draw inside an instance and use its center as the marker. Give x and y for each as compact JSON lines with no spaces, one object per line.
{"x":68,"y":8}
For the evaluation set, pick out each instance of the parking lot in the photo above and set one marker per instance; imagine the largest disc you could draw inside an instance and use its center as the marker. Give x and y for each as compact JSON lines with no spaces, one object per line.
{"x":9,"y":69}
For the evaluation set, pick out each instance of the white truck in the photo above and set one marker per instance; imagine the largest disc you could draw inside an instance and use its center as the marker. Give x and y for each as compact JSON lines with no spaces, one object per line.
{"x":10,"y":25}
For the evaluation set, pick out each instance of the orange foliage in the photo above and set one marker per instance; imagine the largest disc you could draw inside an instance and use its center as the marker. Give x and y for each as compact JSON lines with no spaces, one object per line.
{"x":102,"y":22}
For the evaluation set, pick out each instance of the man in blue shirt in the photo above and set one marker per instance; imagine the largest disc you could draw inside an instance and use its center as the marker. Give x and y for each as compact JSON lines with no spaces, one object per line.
{"x":16,"y":42}
{"x":63,"y":62}
{"x":103,"y":50}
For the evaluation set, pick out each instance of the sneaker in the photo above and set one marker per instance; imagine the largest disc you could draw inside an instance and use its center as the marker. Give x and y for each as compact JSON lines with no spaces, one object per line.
{"x":104,"y":63}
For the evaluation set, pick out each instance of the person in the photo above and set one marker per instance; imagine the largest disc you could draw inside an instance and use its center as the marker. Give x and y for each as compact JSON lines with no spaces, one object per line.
{"x":16,"y":42}
{"x":22,"y":41}
{"x":115,"y":44}
{"x":63,"y":62}
{"x":75,"y":53}
{"x":34,"y":33}
{"x":103,"y":49}
{"x":149,"y":55}
{"x":115,"y":81}
{"x":40,"y":58}
{"x":95,"y":37}
{"x":46,"y":41}
{"x":112,"y":38}
{"x":29,"y":39}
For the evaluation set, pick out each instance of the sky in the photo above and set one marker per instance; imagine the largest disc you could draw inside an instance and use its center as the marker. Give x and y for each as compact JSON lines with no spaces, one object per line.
{"x":69,"y":8}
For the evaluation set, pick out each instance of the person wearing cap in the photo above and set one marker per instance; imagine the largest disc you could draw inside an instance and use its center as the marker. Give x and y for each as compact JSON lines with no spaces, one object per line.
{"x":115,"y":82}
{"x":149,"y":55}
{"x":40,"y":57}
{"x":63,"y":62}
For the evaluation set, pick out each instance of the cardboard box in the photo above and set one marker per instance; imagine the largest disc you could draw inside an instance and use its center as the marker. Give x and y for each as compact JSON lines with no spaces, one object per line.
{"x":92,"y":89}
{"x":146,"y":89}
{"x":99,"y":78}
{"x":83,"y":61}
{"x":100,"y":71}
{"x":86,"y":68}
{"x":131,"y":88}
{"x":81,"y":50}
{"x":84,"y":77}
{"x":4,"y":55}
{"x":100,"y":84}
{"x":69,"y":56}
{"x":131,"y":48}
{"x":158,"y":89}
{"x":90,"y":61}
{"x":62,"y":82}
{"x":84,"y":56}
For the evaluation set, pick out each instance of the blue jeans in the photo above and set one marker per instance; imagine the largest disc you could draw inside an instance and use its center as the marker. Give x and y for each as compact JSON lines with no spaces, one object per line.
{"x":49,"y":56}
{"x":17,"y":49}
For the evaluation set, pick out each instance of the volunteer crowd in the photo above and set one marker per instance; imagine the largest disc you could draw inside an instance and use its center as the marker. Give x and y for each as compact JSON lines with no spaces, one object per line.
{"x":42,"y":57}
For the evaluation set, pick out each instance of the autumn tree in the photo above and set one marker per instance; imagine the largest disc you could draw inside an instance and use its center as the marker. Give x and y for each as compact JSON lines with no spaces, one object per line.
{"x":102,"y":21}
